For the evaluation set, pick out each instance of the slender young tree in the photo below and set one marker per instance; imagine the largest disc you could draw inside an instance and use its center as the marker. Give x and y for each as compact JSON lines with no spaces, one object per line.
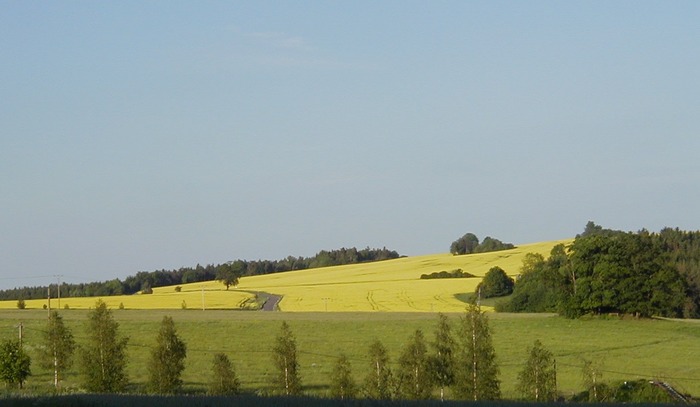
{"x":285,"y":359}
{"x":538,"y":379}
{"x":167,"y":359}
{"x":476,"y":375}
{"x":342,"y":384}
{"x":592,"y":376}
{"x":223,"y":377}
{"x":414,"y":375}
{"x":378,"y":383}
{"x":442,"y":362}
{"x":103,"y":359}
{"x":14,"y":363}
{"x":59,"y":346}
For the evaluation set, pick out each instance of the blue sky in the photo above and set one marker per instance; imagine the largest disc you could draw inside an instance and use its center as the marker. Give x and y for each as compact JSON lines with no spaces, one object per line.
{"x":148,"y":135}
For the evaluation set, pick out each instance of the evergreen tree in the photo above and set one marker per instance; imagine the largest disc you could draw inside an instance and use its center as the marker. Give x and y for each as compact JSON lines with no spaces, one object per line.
{"x":59,"y":345}
{"x":103,"y":359}
{"x":342,"y":384}
{"x":476,"y":377}
{"x":167,"y":359}
{"x":414,"y":374}
{"x":442,"y":362}
{"x":378,"y":382}
{"x":285,"y":359}
{"x":223,"y":377}
{"x":538,"y":379}
{"x":14,"y":363}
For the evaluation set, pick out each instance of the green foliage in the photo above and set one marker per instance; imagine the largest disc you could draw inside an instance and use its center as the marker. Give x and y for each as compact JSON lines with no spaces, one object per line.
{"x":379,"y":381}
{"x":442,"y":362}
{"x":539,"y":288}
{"x":288,"y":380}
{"x":469,"y":243}
{"x":224,"y":381}
{"x":464,"y":245}
{"x":229,"y":273}
{"x":496,"y":283}
{"x":14,"y":363}
{"x":342,"y":384}
{"x":538,"y":379}
{"x":457,"y":273}
{"x":476,"y":376}
{"x":103,"y":361}
{"x":21,"y":304}
{"x":414,"y":377}
{"x":167,"y":359}
{"x":58,"y":349}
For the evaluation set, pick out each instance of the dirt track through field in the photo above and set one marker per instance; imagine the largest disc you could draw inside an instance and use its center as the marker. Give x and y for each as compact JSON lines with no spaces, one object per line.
{"x":272,"y":302}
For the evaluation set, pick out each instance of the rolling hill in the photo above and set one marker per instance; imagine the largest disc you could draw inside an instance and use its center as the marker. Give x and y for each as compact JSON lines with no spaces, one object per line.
{"x":389,"y":286}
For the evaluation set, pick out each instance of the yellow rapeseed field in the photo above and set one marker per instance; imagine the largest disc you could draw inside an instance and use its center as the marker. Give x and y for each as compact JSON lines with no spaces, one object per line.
{"x":389,"y":286}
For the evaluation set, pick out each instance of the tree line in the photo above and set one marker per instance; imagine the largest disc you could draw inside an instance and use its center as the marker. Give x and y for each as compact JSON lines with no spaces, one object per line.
{"x":145,"y":280}
{"x":613,"y":272}
{"x":460,"y":358}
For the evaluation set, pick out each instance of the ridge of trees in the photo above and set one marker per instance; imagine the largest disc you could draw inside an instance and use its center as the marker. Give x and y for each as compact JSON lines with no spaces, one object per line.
{"x":146,"y":280}
{"x":469,"y":243}
{"x":613,"y":272}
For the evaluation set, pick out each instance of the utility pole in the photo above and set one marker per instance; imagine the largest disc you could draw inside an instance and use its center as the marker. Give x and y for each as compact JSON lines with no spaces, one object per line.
{"x":58,"y":286}
{"x":203,"y":308}
{"x":325,"y":302}
{"x":48,"y":295}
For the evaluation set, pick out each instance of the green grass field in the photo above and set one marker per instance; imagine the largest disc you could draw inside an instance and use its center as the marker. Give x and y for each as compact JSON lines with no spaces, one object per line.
{"x":392,"y":285}
{"x":630,"y":349}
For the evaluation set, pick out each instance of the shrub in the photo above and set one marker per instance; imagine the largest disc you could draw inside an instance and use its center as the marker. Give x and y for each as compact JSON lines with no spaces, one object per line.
{"x":21,"y":304}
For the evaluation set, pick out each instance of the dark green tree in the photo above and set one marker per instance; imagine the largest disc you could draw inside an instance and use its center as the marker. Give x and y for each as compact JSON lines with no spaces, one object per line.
{"x":103,"y":361}
{"x":342,"y":384}
{"x":496,"y":283}
{"x":414,"y":378}
{"x":59,"y":346}
{"x":223,"y":377}
{"x":465,"y":244}
{"x":491,"y":245}
{"x":14,"y":363}
{"x":379,"y":380}
{"x":476,"y":376}
{"x":442,"y":361}
{"x":21,"y":304}
{"x":229,"y":273}
{"x":167,"y":359}
{"x":538,"y":379}
{"x":288,"y":379}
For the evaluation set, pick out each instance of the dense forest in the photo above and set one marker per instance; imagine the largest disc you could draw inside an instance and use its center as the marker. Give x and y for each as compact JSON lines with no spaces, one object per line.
{"x":144,"y":280}
{"x":613,"y":272}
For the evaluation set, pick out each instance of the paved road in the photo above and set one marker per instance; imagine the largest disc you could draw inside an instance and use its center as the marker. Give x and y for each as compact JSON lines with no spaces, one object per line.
{"x":271,"y":303}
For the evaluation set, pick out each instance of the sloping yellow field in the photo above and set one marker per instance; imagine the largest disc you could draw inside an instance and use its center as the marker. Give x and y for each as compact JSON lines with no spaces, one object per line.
{"x":391,"y":285}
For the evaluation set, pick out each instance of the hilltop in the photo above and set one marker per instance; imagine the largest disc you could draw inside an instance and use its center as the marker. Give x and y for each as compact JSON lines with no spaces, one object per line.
{"x":390,"y":285}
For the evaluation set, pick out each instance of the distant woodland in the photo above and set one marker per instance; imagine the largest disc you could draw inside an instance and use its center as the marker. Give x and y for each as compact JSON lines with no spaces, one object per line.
{"x":613,"y":272}
{"x":145,"y":280}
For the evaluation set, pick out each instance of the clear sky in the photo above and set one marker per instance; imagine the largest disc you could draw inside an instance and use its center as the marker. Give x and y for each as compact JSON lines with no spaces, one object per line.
{"x":137,"y":135}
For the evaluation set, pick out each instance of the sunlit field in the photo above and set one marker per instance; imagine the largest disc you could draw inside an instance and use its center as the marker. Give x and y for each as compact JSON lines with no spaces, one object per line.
{"x":391,"y":285}
{"x":628,"y":349}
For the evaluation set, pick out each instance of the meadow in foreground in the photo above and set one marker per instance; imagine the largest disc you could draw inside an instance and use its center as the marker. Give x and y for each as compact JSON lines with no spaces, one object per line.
{"x":629,"y":349}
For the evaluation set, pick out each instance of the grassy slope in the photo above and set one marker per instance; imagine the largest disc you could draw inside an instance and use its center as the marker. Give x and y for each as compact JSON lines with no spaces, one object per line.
{"x":392,"y":285}
{"x":630,"y":349}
